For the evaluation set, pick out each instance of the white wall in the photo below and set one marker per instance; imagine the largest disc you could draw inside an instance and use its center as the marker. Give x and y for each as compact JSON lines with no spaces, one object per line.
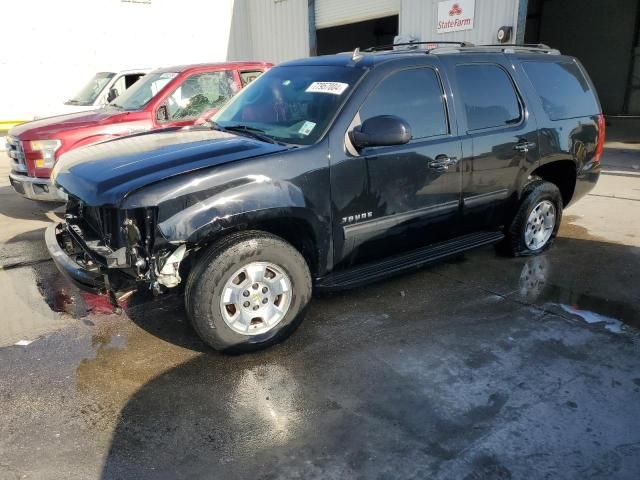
{"x":50,"y":48}
{"x":269,"y":30}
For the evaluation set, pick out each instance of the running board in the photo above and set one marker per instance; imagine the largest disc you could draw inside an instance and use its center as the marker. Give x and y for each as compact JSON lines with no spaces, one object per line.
{"x":397,"y":264}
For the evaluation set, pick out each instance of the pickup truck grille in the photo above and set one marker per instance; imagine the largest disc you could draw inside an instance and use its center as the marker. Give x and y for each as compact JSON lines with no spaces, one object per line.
{"x":16,"y":155}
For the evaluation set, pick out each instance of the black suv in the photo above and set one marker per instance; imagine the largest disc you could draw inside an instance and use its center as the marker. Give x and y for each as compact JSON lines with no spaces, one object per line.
{"x":329,"y":172}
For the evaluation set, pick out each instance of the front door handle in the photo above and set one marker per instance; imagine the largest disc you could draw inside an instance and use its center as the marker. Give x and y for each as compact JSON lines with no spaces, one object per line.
{"x":524,"y":146}
{"x":442,"y":162}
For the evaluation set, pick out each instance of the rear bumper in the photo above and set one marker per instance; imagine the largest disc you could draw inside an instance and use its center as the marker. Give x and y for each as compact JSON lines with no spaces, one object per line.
{"x":35,"y":188}
{"x":83,"y":278}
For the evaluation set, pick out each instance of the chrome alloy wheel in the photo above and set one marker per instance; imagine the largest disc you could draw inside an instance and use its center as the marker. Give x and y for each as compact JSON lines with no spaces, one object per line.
{"x":256,"y":298}
{"x":540,"y":225}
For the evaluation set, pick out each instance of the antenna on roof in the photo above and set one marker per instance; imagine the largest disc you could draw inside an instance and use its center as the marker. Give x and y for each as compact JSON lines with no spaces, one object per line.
{"x":356,"y":56}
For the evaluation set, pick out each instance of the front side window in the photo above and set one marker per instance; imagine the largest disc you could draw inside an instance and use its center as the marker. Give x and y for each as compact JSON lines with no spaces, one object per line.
{"x":141,"y":92}
{"x":199,"y":93}
{"x":91,"y":90}
{"x":488,"y":95}
{"x":293,"y":104}
{"x":563,"y":89}
{"x":415,"y":96}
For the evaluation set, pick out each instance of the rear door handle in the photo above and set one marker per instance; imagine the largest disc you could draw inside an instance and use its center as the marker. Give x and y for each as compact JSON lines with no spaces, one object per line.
{"x":442,"y":162}
{"x":524,"y":146}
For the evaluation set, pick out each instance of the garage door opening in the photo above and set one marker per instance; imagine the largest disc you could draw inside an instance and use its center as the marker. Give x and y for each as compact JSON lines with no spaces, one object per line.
{"x":603,"y":35}
{"x":370,"y":33}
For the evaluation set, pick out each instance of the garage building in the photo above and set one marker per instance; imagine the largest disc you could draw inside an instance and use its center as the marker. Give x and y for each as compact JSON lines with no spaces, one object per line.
{"x":603,"y":34}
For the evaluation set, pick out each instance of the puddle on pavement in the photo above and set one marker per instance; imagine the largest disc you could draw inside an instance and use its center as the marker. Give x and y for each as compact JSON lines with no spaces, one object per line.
{"x":62,"y":296}
{"x":536,"y":286}
{"x":570,"y":228}
{"x":610,"y":324}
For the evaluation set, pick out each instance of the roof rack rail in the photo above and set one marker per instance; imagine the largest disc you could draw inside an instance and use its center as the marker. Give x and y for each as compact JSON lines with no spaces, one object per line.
{"x":541,"y":46}
{"x":502,"y":47}
{"x":391,"y":46}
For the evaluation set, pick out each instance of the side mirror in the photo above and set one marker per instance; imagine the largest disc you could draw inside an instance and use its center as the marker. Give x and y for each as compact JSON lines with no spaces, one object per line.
{"x":383,"y":130}
{"x":112,"y":95}
{"x":162,"y":115}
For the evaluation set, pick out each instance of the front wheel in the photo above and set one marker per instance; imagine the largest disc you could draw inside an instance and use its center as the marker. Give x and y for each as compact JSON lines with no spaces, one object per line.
{"x":248,"y":291}
{"x":537,"y":221}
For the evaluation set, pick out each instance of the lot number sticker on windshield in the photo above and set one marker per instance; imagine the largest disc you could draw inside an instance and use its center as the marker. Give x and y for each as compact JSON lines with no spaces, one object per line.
{"x":335,"y":88}
{"x":306,"y":128}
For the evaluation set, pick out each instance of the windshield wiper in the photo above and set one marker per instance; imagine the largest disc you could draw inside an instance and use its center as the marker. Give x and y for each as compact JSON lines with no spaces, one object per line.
{"x":251,"y":131}
{"x":115,"y":105}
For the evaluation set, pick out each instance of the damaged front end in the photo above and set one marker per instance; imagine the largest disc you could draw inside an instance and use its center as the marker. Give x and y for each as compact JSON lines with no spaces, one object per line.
{"x":112,"y":251}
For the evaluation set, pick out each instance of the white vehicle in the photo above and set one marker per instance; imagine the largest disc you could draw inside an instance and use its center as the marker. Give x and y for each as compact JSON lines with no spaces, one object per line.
{"x":99,"y":91}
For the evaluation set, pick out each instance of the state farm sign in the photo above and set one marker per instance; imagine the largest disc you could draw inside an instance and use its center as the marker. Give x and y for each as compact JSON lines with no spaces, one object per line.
{"x":455,"y":15}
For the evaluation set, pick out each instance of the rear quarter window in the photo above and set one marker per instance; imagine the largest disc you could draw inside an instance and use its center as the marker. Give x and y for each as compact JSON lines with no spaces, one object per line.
{"x":562,"y":88}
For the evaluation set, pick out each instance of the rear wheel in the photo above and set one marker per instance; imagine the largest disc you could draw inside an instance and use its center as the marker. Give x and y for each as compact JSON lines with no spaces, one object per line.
{"x":247,"y":292}
{"x":537,"y":221}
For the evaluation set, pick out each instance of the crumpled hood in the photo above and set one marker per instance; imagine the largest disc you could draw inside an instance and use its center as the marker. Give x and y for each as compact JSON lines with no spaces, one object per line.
{"x":50,"y":126}
{"x":104,"y":173}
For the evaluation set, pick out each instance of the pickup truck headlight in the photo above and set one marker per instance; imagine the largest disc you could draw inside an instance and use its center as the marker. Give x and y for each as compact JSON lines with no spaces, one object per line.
{"x":48,"y":150}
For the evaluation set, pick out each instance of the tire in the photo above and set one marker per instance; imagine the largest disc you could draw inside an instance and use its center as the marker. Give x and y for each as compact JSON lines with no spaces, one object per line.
{"x":226,"y":271}
{"x":517,"y":242}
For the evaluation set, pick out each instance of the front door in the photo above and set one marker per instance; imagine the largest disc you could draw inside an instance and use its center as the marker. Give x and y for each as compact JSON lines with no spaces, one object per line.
{"x":391,"y":199}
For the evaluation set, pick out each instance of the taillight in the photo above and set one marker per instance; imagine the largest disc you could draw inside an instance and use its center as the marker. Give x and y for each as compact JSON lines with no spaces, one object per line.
{"x":600,"y":141}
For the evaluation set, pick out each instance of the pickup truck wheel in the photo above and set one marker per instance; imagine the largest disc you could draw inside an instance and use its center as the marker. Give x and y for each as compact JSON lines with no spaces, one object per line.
{"x":248,"y":292}
{"x":536,"y":224}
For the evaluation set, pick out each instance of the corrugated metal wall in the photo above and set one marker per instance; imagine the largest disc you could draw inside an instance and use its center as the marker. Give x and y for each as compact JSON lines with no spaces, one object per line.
{"x":269,"y":30}
{"x":278,"y":30}
{"x":419,"y":18}
{"x":330,"y":13}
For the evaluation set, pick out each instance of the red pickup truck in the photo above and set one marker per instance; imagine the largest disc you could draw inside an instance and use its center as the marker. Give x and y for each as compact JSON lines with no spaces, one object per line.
{"x":167,"y":97}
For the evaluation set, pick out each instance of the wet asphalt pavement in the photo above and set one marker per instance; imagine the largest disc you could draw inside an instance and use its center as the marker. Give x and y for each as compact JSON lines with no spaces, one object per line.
{"x":482,"y":367}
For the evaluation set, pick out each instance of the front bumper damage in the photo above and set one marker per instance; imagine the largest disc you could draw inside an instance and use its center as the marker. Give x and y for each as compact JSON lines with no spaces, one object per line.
{"x":86,"y":276}
{"x":94,"y":267}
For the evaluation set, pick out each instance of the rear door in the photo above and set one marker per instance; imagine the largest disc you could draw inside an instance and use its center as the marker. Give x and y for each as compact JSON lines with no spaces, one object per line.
{"x":409,"y":195}
{"x":500,"y":141}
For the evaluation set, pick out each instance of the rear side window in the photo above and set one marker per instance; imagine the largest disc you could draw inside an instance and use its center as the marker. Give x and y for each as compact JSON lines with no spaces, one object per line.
{"x":488,"y":96}
{"x":563,"y":89}
{"x":414,"y":95}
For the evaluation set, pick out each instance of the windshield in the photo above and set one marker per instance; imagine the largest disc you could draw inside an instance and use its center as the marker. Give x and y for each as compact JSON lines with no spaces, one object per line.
{"x":292,"y":104}
{"x":143,"y":90}
{"x":91,"y":90}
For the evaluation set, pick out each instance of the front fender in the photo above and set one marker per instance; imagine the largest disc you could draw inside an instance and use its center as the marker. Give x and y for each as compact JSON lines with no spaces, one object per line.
{"x":255,"y":200}
{"x":278,"y":190}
